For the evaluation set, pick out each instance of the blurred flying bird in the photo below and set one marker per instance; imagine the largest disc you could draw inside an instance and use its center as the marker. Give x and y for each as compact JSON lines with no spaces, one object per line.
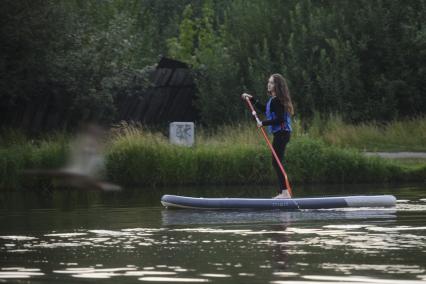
{"x":85,"y":164}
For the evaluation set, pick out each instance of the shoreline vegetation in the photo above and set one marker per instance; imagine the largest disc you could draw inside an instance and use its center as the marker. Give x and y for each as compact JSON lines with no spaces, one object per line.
{"x":329,"y":151}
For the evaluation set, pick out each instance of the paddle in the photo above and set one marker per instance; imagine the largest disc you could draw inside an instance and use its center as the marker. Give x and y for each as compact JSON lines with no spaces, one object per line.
{"x":253,"y":112}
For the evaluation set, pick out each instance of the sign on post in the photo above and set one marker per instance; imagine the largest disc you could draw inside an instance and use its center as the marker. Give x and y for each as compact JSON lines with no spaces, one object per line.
{"x":182,"y":133}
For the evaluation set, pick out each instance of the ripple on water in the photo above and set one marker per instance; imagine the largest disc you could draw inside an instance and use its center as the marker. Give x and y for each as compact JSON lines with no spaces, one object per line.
{"x":19,"y":272}
{"x":18,"y":238}
{"x":215,"y":275}
{"x":368,"y":232}
{"x":313,"y":279}
{"x":110,"y":233}
{"x":389,"y":268}
{"x":65,"y":235}
{"x":173,"y":279}
{"x":409,"y":207}
{"x":130,"y":271}
{"x":360,"y":237}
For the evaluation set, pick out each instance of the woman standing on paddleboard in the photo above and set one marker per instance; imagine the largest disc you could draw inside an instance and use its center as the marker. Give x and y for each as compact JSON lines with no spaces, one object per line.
{"x":279,"y":110}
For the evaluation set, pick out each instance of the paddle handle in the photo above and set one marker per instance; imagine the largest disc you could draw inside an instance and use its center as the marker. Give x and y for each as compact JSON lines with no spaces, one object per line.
{"x":253,"y":112}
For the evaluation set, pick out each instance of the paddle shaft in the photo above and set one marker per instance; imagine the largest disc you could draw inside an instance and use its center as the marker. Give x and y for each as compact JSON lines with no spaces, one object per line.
{"x":253,"y":112}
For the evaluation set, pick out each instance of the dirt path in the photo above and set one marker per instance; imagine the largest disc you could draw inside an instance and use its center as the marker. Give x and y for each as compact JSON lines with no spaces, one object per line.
{"x":398,"y":155}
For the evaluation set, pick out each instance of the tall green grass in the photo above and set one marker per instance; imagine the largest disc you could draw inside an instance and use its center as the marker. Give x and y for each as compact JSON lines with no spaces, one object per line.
{"x":17,"y":153}
{"x":404,"y":135}
{"x":239,"y":156}
{"x":235,"y":154}
{"x":143,"y":158}
{"x":312,"y":160}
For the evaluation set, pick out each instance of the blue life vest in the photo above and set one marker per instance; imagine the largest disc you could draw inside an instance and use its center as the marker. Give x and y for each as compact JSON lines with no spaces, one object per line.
{"x":271,"y":115}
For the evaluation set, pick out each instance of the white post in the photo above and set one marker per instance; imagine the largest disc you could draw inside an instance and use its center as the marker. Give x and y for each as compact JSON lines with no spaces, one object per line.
{"x":182,"y":133}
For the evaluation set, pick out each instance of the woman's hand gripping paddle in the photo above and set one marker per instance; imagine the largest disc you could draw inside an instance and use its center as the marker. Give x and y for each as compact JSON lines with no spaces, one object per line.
{"x":253,"y":112}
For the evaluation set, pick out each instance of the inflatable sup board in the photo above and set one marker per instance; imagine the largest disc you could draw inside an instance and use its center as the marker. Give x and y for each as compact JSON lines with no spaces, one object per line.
{"x":175,"y":201}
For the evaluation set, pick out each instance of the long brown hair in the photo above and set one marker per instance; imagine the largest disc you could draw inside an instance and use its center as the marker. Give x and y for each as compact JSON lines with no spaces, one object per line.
{"x":282,"y":92}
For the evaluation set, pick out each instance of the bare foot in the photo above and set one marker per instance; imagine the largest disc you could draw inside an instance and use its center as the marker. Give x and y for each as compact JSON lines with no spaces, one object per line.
{"x":283,"y":194}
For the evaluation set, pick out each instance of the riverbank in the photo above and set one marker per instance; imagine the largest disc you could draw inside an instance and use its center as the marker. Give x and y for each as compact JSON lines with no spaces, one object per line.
{"x":139,"y":159}
{"x":233,"y":155}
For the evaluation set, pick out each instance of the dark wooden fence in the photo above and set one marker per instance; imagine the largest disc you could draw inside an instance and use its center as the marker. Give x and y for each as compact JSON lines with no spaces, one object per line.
{"x":170,"y":97}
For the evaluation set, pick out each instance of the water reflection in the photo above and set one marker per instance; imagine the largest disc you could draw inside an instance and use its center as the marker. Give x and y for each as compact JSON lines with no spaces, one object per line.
{"x":280,"y":251}
{"x":187,"y":216}
{"x":151,"y":244}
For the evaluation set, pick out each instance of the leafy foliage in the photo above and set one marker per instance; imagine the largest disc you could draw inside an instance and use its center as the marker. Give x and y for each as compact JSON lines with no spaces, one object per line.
{"x":361,"y":59}
{"x":201,"y":42}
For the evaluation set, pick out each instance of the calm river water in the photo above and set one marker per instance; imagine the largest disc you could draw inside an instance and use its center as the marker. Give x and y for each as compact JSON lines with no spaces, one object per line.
{"x":127,"y":237}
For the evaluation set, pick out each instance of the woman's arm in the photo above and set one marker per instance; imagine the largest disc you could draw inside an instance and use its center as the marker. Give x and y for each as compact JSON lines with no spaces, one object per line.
{"x":255,"y":102}
{"x":258,"y":105}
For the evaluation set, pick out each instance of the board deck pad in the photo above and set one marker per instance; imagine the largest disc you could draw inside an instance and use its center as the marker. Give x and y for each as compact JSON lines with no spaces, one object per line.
{"x":176,"y":201}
